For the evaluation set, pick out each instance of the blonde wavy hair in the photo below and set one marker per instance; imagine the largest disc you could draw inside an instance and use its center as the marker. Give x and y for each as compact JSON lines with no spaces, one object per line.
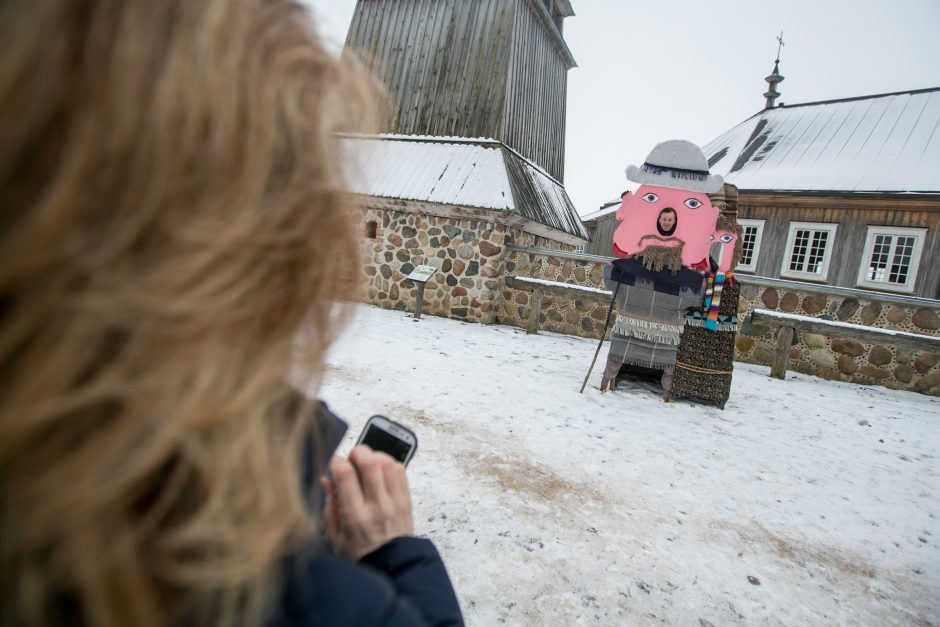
{"x":173,"y":212}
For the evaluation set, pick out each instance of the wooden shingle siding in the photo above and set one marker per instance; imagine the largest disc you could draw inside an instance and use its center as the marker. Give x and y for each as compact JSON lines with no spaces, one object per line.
{"x":849,"y":245}
{"x":534,"y":114}
{"x":470,"y":68}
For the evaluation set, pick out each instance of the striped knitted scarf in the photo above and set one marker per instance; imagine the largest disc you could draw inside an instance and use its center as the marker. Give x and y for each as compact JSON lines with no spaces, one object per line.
{"x":715,"y":283}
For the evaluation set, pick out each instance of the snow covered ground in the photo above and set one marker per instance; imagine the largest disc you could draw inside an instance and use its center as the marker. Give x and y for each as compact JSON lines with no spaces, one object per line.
{"x":803,"y":502}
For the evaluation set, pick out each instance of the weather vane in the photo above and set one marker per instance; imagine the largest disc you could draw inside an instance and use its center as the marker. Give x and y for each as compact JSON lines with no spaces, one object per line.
{"x":779,"y":44}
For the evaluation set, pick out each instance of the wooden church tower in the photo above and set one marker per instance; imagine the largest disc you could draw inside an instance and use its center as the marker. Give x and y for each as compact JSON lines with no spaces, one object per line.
{"x":492,"y":69}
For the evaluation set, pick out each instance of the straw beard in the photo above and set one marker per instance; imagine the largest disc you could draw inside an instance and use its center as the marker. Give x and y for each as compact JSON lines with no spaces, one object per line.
{"x":659,"y":258}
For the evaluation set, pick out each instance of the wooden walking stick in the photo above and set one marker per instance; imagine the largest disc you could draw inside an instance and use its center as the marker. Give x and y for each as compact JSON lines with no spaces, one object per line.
{"x":604,"y":333}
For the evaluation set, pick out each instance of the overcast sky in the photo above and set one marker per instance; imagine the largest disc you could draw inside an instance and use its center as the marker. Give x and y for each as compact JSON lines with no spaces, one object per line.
{"x":690,"y":69}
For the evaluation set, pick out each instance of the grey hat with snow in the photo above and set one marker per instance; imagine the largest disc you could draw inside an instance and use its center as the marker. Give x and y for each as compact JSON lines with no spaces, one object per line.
{"x":676,"y":163}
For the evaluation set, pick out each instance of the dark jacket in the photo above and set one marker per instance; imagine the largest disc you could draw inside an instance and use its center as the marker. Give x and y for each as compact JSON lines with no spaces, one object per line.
{"x":403,"y":582}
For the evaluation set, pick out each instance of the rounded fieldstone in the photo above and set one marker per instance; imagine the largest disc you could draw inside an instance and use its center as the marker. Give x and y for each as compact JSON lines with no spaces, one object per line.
{"x":441,"y":254}
{"x":744,"y":343}
{"x":488,"y":250}
{"x":873,"y":372}
{"x":748,"y":292}
{"x":847,"y":309}
{"x":796,"y":353}
{"x":489,"y":272}
{"x":870,"y":313}
{"x":580,"y":274}
{"x":451,"y":280}
{"x":446,"y":265}
{"x":904,"y":374}
{"x":926,"y":319}
{"x":468,"y":235}
{"x":445,"y":241}
{"x":370,"y":270}
{"x":814,"y":303}
{"x":465,"y":251}
{"x":581,"y":305}
{"x":572,"y":316}
{"x":770,"y":298}
{"x":789,"y":302}
{"x":814,"y":340}
{"x":451,"y":230}
{"x":599,"y":313}
{"x":903,"y":355}
{"x":848,"y":347}
{"x":408,"y":231}
{"x":847,"y":364}
{"x":490,"y":285}
{"x":459,"y":312}
{"x":473,"y":268}
{"x":386,"y":271}
{"x":411,"y":243}
{"x":926,"y":384}
{"x":393,"y":293}
{"x":467,"y":282}
{"x":764,"y":354}
{"x":926,"y":361}
{"x":402,"y":255}
{"x":458,"y":291}
{"x":406,"y":268}
{"x":394,"y":238}
{"x":896,"y":315}
{"x":822,"y":358}
{"x":435,"y":242}
{"x":879,"y":356}
{"x":459,"y":267}
{"x":510,"y":309}
{"x":587,"y":324}
{"x":522,"y":298}
{"x":554,"y":315}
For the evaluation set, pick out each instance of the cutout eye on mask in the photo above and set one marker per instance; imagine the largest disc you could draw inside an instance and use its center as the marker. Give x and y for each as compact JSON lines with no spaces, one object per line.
{"x":693,"y":203}
{"x":650,"y":197}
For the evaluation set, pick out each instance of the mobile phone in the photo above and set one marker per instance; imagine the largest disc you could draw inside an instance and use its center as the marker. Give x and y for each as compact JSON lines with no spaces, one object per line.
{"x":388,"y":436}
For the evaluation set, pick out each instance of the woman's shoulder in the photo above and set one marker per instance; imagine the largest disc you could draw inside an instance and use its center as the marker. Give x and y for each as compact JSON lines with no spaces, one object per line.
{"x":402,"y":583}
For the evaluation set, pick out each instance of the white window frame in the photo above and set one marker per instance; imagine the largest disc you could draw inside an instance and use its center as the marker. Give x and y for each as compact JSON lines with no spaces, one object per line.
{"x":919,"y":236}
{"x":822,"y":276}
{"x":759,"y":225}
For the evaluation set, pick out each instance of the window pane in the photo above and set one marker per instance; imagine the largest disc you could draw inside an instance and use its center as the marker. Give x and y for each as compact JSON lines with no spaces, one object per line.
{"x":817,"y":252}
{"x":879,"y":258}
{"x":747,"y":245}
{"x":798,"y":255}
{"x":901,"y":264}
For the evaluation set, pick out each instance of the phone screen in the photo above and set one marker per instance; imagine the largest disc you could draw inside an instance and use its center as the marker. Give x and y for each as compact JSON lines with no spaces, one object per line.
{"x":379,"y":440}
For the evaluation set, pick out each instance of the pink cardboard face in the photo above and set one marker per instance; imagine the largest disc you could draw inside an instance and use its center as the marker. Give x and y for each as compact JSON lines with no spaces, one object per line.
{"x":665,"y":216}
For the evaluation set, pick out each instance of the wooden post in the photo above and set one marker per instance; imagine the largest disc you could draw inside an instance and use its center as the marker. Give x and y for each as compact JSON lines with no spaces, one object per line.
{"x":535,"y":312}
{"x":419,"y":300}
{"x":782,"y":357}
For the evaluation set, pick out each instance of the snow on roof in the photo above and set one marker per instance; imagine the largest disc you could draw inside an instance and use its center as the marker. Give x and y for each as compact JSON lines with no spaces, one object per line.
{"x":468,"y":172}
{"x":606,"y":209}
{"x":887,"y":143}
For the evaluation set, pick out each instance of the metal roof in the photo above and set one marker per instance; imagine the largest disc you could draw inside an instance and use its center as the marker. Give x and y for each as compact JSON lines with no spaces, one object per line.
{"x":478,"y":172}
{"x":888,"y":143}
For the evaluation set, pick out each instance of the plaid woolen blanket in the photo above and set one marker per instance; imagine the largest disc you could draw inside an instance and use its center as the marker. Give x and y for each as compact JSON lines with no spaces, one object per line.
{"x":651,"y":308}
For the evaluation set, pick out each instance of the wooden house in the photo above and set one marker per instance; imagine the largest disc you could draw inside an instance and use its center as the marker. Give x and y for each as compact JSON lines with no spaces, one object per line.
{"x":841,"y":192}
{"x":475,"y":158}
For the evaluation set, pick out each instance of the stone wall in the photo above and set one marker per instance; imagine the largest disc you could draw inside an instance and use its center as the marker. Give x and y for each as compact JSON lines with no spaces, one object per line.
{"x":846,"y":360}
{"x":580,"y":317}
{"x":840,"y":359}
{"x":469,"y":255}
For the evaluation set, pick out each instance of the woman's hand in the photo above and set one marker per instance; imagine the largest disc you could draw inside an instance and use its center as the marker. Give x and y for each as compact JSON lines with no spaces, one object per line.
{"x":368,"y":502}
